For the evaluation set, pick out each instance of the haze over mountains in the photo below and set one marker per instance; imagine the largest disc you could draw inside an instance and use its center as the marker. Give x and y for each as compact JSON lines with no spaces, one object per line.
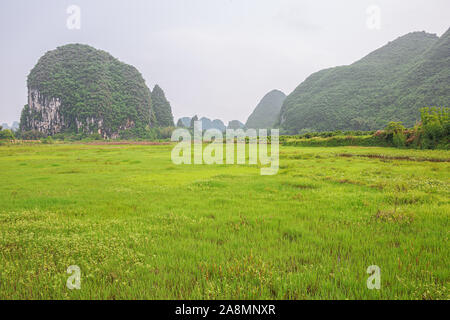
{"x":267,"y":111}
{"x":14,"y":126}
{"x":77,"y":88}
{"x":186,"y":122}
{"x":390,"y":84}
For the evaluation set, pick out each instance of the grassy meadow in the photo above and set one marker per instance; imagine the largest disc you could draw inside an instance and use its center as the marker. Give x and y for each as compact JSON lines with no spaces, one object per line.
{"x":140,"y":227}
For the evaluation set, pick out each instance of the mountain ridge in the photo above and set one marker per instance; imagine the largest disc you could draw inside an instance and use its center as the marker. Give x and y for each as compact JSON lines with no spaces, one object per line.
{"x":265,"y":114}
{"x":372,"y":91}
{"x":76,"y":88}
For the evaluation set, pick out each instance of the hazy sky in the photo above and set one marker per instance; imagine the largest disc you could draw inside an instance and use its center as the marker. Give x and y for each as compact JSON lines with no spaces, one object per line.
{"x":214,"y":58}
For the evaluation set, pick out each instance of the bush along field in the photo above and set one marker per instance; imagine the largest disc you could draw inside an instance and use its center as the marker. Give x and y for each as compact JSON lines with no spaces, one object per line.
{"x":432,"y":132}
{"x":140,"y":227}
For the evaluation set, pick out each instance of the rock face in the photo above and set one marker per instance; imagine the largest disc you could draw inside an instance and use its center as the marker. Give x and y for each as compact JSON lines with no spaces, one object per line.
{"x":79,"y":89}
{"x":43,"y":114}
{"x":267,"y":111}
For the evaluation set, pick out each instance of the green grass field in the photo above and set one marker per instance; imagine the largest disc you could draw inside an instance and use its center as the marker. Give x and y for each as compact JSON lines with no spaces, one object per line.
{"x":140,"y":227}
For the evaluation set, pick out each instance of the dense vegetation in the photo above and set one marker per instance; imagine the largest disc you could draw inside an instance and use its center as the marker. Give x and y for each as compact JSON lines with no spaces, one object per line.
{"x":391,"y":84}
{"x":92,"y":85}
{"x":162,"y":108}
{"x":6,"y":134}
{"x":266,"y":112}
{"x":432,"y":132}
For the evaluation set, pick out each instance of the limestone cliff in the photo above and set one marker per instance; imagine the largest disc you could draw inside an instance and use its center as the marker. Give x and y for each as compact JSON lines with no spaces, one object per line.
{"x":78,"y":89}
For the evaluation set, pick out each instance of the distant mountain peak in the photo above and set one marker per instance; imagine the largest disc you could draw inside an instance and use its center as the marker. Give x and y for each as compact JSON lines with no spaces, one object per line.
{"x":266,"y":112}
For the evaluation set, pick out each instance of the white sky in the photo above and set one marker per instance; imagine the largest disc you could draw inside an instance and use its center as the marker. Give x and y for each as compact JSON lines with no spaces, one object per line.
{"x":214,"y":58}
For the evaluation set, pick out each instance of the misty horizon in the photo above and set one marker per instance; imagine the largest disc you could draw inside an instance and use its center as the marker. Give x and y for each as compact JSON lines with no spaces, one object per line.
{"x":212,"y":59}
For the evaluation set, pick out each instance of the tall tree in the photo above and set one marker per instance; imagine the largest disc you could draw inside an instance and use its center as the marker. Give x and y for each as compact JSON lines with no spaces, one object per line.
{"x":161,"y":106}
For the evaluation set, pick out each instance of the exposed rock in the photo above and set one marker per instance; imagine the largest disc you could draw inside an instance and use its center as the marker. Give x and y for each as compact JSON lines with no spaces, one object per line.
{"x":79,"y":89}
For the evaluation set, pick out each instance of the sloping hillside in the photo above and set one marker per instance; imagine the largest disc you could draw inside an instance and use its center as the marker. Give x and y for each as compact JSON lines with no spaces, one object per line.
{"x":390,"y":84}
{"x":266,"y":112}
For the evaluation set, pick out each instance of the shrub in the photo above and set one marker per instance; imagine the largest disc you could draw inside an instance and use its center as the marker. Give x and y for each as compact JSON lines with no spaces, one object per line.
{"x":435,"y":127}
{"x":6,"y":135}
{"x":47,"y":140}
{"x":399,"y":139}
{"x":31,"y":135}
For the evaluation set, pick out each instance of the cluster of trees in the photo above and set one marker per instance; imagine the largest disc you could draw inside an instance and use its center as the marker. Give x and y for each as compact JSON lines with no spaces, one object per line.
{"x":6,"y":134}
{"x":433,"y":131}
{"x":148,"y":133}
{"x":328,"y":134}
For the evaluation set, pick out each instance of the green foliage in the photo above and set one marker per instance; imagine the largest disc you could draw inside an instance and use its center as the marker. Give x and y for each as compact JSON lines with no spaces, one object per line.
{"x":435,"y":127}
{"x":395,"y":127}
{"x":433,"y":132}
{"x":31,"y":135}
{"x":25,"y":117}
{"x":91,"y":85}
{"x":395,"y":133}
{"x":47,"y":140}
{"x":165,"y":133}
{"x":391,"y":84}
{"x":399,"y":139}
{"x":266,"y":112}
{"x":333,"y":141}
{"x":161,"y":107}
{"x":6,"y":134}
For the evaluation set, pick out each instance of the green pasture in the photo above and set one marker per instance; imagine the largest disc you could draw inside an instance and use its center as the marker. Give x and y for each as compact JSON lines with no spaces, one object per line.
{"x":141,"y":227}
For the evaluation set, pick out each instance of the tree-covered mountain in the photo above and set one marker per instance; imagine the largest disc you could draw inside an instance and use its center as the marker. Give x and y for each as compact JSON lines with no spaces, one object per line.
{"x":390,"y":84}
{"x":212,"y":124}
{"x":267,"y":111}
{"x":207,"y":123}
{"x":184,"y":122}
{"x":162,"y":108}
{"x":77,"y":88}
{"x":235,"y":124}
